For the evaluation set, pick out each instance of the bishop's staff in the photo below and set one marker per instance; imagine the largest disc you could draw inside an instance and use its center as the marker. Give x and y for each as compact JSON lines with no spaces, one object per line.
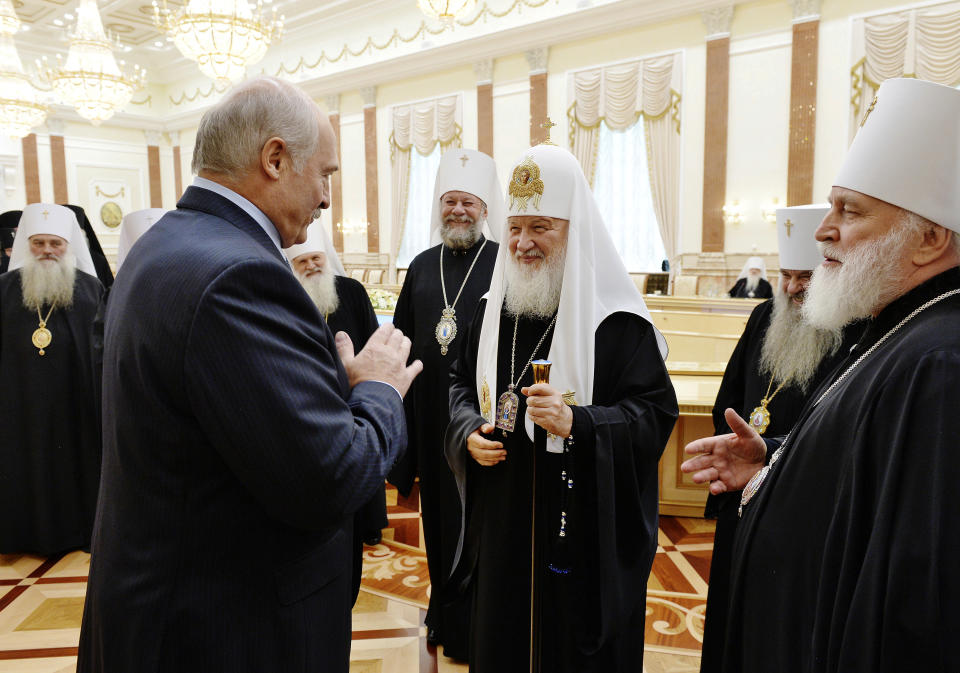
{"x":541,"y":374}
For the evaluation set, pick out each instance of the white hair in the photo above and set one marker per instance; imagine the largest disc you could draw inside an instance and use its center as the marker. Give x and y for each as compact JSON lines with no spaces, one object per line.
{"x":233,"y":132}
{"x":48,"y":282}
{"x":793,"y":349}
{"x":322,"y":289}
{"x":868,"y":278}
{"x":534,"y":292}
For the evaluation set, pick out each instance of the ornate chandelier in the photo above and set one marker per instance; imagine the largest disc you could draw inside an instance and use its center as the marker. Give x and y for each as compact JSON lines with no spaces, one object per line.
{"x":447,"y":11}
{"x":20,"y":106}
{"x":222,"y":36}
{"x":90,"y":80}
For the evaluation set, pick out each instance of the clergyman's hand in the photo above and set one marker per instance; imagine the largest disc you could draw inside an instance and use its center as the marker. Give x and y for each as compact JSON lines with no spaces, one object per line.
{"x":728,"y":462}
{"x":485,"y":451}
{"x":384,"y":358}
{"x":546,"y":408}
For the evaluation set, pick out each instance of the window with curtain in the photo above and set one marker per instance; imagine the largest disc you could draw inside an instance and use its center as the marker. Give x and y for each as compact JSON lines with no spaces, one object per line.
{"x":621,"y":185}
{"x":416,"y":224}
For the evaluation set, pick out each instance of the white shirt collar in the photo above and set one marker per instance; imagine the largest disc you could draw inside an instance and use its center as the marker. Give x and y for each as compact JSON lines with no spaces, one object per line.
{"x":247,"y":206}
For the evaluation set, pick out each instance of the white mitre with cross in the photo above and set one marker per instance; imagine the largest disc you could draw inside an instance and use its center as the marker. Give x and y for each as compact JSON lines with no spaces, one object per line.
{"x":474,"y":172}
{"x":905,"y":152}
{"x":796,"y":226}
{"x":134,"y":226}
{"x":54,"y":220}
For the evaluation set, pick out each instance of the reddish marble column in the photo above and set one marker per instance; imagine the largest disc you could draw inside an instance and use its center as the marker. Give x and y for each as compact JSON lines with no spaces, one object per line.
{"x":803,"y":112}
{"x":58,"y":163}
{"x":336,"y":180}
{"x":31,"y":168}
{"x":370,"y":159}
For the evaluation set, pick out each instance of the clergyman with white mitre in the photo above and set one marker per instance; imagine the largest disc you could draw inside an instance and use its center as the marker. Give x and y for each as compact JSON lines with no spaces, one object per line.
{"x":846,"y":549}
{"x":439,"y":297}
{"x":50,"y":444}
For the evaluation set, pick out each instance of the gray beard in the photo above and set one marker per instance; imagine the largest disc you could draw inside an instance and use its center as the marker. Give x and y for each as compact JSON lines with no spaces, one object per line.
{"x":867,"y":279}
{"x":322,"y":290}
{"x":48,"y":282}
{"x":534,"y":293}
{"x":753,"y":282}
{"x":792,"y":348}
{"x":457,"y":238}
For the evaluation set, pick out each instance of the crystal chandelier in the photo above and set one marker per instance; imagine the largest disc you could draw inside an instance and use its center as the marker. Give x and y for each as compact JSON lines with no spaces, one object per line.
{"x":20,"y":106}
{"x":447,"y":11}
{"x":90,"y":80}
{"x":222,"y":36}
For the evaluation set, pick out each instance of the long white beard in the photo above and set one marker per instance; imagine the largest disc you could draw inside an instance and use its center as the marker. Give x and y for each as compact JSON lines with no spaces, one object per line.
{"x":792,"y":348}
{"x":322,"y":290}
{"x":753,"y":282}
{"x":534,"y":292}
{"x":460,"y":238}
{"x":49,"y":281}
{"x":868,"y":278}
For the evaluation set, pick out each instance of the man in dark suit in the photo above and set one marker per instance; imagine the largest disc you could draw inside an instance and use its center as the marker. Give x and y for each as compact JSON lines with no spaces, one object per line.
{"x":239,"y":436}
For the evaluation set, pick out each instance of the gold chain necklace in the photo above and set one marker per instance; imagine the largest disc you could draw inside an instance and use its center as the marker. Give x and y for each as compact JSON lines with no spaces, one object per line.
{"x":760,"y":416}
{"x":446,"y":330}
{"x":508,"y":403}
{"x":753,"y":486}
{"x":41,"y":336}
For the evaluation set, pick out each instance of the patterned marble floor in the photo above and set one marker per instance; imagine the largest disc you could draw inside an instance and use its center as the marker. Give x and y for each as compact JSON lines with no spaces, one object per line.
{"x":41,"y":603}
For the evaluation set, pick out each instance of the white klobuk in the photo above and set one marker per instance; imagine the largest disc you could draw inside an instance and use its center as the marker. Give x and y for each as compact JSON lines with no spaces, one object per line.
{"x":548,"y":180}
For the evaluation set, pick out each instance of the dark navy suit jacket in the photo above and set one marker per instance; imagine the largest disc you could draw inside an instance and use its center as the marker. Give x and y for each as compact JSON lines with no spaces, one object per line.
{"x":234,"y":453}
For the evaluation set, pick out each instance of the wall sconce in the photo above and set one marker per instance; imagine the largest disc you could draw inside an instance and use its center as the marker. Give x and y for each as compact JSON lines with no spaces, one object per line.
{"x":733,"y":213}
{"x":347,"y":228}
{"x":769,"y":211}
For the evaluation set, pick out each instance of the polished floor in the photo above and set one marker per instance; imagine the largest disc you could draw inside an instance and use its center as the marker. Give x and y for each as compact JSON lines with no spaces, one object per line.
{"x":41,"y":603}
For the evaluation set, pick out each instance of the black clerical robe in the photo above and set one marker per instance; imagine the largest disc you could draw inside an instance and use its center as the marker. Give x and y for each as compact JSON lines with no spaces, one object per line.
{"x":852,"y":542}
{"x":763,"y":291}
{"x":592,"y":581}
{"x":742,"y":388}
{"x":418,"y":311}
{"x":50,"y":442}
{"x":356,"y":317}
{"x":100,"y":263}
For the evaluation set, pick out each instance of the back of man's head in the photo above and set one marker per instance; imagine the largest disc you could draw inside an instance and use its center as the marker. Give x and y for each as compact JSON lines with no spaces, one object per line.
{"x":232,"y":133}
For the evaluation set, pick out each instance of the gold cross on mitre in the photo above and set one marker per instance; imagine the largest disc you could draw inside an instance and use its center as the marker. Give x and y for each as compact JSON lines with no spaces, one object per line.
{"x":547,"y":125}
{"x":463,"y":160}
{"x":45,"y":213}
{"x":788,"y":224}
{"x":873,"y":104}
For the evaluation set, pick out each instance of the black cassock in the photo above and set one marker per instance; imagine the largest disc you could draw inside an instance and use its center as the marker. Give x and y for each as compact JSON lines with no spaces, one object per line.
{"x":742,"y":389}
{"x":846,"y":559}
{"x":418,"y":311}
{"x":356,"y":317}
{"x":739,"y":290}
{"x":592,"y":581}
{"x":50,"y":439}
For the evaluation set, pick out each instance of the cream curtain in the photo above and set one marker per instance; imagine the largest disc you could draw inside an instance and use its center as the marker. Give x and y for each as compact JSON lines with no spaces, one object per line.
{"x":619,"y":95}
{"x":417,"y":126}
{"x":910,"y":43}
